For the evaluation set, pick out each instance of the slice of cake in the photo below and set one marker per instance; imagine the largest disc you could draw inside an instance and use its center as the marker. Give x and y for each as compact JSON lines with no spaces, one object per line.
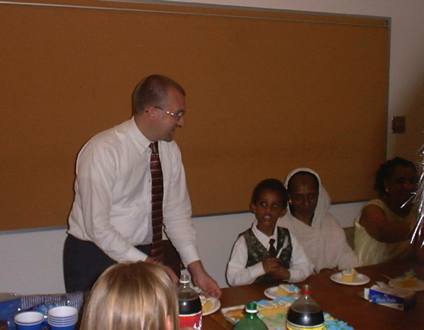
{"x":207,"y":305}
{"x":408,"y":280}
{"x":349,"y":275}
{"x":236,"y":314}
{"x":287,"y":290}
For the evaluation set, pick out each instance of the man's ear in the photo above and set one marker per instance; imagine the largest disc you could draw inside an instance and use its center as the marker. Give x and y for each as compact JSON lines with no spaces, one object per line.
{"x":151,"y":111}
{"x":283,"y":212}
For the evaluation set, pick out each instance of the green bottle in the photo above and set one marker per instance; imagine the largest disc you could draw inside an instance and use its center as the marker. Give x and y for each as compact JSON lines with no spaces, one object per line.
{"x":251,"y":321}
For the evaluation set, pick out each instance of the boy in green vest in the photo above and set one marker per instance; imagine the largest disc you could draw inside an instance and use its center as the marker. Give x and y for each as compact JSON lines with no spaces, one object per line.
{"x":266,"y":252}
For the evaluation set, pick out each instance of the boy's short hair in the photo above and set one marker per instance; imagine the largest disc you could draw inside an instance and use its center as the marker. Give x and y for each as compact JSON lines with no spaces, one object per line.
{"x":273,"y":185}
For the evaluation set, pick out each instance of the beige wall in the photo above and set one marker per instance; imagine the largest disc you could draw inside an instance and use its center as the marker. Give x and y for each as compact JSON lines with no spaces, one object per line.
{"x":31,"y":261}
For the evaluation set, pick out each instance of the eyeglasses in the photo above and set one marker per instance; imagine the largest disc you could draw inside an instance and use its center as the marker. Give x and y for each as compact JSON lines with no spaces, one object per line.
{"x":177,"y":115}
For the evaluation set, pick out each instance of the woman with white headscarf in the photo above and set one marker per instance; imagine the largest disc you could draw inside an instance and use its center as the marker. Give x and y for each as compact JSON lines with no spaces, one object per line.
{"x":320,"y":234}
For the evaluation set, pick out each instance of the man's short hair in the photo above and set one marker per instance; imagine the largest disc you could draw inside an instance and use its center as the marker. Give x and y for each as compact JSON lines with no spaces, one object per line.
{"x":153,"y":90}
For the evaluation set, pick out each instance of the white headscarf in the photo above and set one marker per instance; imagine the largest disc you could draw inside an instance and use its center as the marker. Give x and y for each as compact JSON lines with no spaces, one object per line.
{"x":324,"y":200}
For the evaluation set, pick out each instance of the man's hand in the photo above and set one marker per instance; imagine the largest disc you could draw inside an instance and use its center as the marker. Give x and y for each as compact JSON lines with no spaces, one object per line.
{"x":202,"y":279}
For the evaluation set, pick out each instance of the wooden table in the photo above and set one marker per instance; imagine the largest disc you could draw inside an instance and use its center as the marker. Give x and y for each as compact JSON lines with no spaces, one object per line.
{"x":341,"y":301}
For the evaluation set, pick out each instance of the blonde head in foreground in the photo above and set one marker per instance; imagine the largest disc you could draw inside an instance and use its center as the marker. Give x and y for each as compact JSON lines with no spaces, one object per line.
{"x":132,"y":296}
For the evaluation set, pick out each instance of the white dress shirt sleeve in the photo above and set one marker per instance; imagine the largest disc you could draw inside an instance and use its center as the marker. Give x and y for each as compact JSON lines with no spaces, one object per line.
{"x":237,"y":272}
{"x":300,"y":265}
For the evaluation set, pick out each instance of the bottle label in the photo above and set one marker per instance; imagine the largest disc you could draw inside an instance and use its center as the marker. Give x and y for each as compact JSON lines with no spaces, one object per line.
{"x":291,"y":326}
{"x":191,"y":320}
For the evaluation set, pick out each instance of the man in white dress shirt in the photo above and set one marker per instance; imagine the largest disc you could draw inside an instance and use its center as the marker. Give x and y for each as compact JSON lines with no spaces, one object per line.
{"x":110,"y":220}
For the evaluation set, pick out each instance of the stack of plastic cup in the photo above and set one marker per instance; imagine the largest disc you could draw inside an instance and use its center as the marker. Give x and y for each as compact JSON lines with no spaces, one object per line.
{"x":29,"y":320}
{"x":62,"y":318}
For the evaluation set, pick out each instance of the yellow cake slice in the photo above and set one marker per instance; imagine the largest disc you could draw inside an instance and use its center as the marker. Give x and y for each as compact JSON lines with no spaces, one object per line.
{"x":407,"y":281}
{"x":236,"y":314}
{"x":207,"y":304}
{"x":349,"y":275}
{"x":287,"y":290}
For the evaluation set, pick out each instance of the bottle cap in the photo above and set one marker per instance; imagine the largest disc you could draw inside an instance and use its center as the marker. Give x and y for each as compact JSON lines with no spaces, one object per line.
{"x":185,"y":278}
{"x":306,"y":289}
{"x":251,"y":308}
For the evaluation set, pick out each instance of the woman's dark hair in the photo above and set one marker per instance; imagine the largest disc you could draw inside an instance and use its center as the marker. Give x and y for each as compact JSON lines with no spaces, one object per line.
{"x":386,"y":170}
{"x":273,"y":185}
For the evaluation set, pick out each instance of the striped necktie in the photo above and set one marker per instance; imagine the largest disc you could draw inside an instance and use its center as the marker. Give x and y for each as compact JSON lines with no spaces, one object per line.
{"x":272,"y":251}
{"x":157,"y":198}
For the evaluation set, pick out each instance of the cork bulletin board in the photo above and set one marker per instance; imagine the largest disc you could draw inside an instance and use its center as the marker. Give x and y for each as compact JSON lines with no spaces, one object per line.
{"x":267,"y":91}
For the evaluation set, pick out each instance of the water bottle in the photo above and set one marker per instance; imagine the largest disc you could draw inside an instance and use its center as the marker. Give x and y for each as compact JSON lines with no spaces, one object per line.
{"x":251,"y":321}
{"x":305,"y":313}
{"x":189,"y":304}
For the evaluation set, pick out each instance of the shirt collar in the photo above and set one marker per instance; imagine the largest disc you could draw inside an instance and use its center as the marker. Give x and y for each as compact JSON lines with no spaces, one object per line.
{"x":261,"y":236}
{"x":138,"y":137}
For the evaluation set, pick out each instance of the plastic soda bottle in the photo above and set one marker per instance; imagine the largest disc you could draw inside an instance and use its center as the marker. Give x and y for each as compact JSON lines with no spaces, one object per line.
{"x":305,"y":313}
{"x":189,"y":304}
{"x":251,"y":321}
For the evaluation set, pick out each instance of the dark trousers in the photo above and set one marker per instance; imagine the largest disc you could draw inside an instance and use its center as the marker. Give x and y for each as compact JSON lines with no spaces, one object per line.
{"x":84,"y":262}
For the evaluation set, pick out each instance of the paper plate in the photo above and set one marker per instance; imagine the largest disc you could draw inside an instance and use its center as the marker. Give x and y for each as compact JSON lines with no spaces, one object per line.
{"x":361,"y":279}
{"x":216,"y":304}
{"x":398,"y":284}
{"x":271,"y":293}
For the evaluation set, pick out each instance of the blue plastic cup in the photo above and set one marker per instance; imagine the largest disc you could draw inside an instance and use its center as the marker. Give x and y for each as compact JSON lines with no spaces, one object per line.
{"x":69,"y":327}
{"x":29,"y":320}
{"x":62,"y":318}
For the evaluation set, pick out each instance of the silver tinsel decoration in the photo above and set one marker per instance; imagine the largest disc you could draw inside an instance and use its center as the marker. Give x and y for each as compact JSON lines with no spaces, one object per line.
{"x":419,"y":200}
